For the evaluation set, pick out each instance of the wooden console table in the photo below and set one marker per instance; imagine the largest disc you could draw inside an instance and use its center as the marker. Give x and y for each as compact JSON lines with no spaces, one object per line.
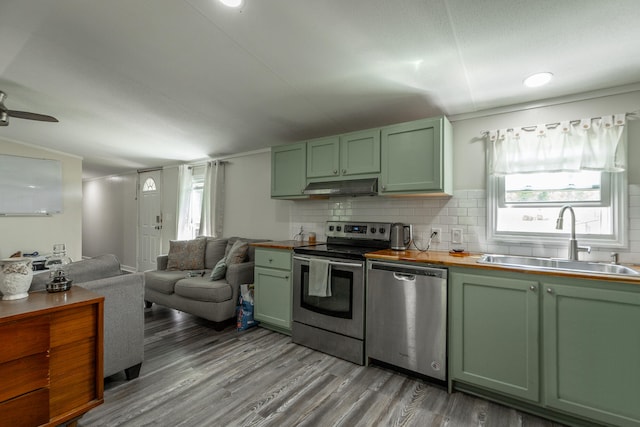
{"x":51,"y":353}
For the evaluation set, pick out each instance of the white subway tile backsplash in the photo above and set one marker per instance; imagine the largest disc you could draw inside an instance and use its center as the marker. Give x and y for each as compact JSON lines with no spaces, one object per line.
{"x":477,"y":194}
{"x":449,"y":203}
{"x":521,"y":250}
{"x":476,"y":212}
{"x":465,"y":210}
{"x":468,"y":203}
{"x":468,"y":220}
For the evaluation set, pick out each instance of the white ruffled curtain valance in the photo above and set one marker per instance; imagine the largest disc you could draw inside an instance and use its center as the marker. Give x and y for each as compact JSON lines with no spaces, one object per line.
{"x":588,"y":144}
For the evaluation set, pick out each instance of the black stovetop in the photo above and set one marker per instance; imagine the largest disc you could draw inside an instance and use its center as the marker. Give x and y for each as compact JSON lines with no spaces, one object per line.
{"x":344,"y":251}
{"x":350,"y":240}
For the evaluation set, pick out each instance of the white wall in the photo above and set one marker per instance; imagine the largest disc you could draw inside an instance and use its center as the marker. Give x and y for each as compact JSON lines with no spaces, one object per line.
{"x":110,"y":223}
{"x":110,"y":218}
{"x":29,"y":234}
{"x":249,"y":210}
{"x":169,"y":206}
{"x":468,"y":156}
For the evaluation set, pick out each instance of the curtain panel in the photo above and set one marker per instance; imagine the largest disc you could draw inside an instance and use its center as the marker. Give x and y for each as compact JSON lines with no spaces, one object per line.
{"x":211,"y":218}
{"x":185,"y":183}
{"x":587,"y":144}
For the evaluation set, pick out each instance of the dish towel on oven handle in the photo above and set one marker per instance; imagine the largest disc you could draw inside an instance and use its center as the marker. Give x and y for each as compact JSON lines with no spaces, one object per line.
{"x":319,"y":278}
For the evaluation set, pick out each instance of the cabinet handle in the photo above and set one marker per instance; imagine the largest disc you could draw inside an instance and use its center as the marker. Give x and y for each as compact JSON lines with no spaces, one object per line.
{"x":286,"y":277}
{"x":384,"y":187}
{"x":335,"y":171}
{"x":344,"y":171}
{"x":270,"y":259}
{"x":533,"y":288}
{"x":549,"y":290}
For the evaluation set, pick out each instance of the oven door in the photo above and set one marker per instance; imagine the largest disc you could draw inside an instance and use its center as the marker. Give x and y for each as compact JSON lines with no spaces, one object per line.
{"x":343,"y":311}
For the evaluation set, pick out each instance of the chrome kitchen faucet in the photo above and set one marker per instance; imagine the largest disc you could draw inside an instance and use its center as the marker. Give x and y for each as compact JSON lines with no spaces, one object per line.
{"x":574,"y":249}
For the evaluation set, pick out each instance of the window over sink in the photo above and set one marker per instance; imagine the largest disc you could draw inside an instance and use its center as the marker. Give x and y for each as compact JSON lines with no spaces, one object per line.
{"x":533,"y":172}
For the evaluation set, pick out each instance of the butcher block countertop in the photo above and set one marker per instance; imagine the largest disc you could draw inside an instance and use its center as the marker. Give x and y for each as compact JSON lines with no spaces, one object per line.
{"x":466,"y":259}
{"x":284,"y":244}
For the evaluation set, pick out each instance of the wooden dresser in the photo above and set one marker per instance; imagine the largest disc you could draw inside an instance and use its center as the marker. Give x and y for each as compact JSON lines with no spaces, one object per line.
{"x":50,"y":357}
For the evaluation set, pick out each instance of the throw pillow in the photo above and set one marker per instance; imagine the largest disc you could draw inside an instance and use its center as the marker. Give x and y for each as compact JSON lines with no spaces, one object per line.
{"x":186,"y":254}
{"x":237,"y":253}
{"x":219,"y":270}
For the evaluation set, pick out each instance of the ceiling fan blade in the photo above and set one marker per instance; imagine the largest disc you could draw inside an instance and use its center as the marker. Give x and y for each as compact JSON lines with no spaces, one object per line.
{"x":31,"y":116}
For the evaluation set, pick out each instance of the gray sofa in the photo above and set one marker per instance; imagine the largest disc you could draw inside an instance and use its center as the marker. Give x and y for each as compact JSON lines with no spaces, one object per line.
{"x":123,"y":309}
{"x":214,"y":300}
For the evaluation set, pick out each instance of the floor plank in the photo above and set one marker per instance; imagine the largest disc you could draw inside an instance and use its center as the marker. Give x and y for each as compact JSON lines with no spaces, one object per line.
{"x":195,"y":376}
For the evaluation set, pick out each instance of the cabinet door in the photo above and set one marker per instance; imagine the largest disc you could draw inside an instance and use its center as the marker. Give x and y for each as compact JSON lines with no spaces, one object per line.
{"x":323,"y":157}
{"x":360,"y":152}
{"x":494,"y":333}
{"x":288,"y":170}
{"x":592,"y":352}
{"x":273,"y":297}
{"x":412,"y":157}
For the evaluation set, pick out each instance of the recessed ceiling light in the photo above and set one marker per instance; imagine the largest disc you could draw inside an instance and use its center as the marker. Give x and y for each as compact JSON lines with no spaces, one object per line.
{"x":538,"y":79}
{"x":231,"y":3}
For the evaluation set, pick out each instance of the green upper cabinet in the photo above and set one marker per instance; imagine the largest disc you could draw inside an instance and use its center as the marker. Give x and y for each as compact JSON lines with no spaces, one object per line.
{"x":360,"y":153}
{"x":408,"y":158}
{"x":417,"y":157}
{"x":592,"y":351}
{"x":356,"y":153}
{"x":494,"y":333}
{"x":288,"y":170}
{"x":323,"y":157}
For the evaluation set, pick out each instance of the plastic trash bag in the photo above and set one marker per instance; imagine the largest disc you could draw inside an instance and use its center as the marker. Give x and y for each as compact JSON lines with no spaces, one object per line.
{"x":244,"y":310}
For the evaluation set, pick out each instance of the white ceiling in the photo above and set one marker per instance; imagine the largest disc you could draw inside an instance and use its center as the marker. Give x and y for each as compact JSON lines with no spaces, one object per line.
{"x":144,"y":83}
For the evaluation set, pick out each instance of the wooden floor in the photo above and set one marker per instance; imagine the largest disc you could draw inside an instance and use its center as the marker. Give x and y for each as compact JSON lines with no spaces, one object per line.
{"x":195,"y":376}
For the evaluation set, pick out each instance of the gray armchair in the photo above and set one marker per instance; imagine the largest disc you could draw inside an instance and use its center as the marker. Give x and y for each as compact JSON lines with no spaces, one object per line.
{"x":123,"y":309}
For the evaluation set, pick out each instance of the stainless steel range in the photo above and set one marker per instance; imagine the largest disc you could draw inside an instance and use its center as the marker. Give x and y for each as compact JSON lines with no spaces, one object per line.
{"x":329,"y":288}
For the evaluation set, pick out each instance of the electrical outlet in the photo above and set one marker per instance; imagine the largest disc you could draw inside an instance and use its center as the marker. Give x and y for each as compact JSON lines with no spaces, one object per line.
{"x":436,"y":237}
{"x":456,"y":236}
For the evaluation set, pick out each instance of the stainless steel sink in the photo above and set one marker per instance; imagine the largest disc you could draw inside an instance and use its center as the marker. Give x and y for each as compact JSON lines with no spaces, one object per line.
{"x":533,"y":263}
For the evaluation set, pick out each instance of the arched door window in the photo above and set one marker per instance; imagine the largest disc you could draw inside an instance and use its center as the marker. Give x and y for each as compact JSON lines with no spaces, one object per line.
{"x":149,"y":185}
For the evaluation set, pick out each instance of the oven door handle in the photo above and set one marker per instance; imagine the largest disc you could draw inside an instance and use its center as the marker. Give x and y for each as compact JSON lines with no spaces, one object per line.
{"x":332,"y":263}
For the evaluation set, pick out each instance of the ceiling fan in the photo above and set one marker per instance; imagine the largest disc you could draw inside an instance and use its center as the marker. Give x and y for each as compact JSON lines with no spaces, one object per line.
{"x":6,"y":113}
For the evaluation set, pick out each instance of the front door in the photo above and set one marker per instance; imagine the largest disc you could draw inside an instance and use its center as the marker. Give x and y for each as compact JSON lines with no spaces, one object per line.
{"x":150,"y":227}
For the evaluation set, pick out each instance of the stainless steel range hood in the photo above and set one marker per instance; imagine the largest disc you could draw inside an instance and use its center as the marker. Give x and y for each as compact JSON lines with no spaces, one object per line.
{"x":353,"y":187}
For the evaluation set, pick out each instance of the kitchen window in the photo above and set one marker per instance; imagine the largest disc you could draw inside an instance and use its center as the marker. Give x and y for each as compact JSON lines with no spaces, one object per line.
{"x":533,"y":172}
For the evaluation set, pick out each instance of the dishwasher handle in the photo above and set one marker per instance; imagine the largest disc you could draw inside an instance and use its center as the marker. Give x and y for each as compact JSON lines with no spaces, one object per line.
{"x":404,"y":277}
{"x":403,"y":271}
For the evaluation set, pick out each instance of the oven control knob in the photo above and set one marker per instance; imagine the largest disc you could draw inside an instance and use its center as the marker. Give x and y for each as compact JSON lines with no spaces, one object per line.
{"x":381,"y":230}
{"x":373,"y":229}
{"x":331,"y":228}
{"x":338,"y":228}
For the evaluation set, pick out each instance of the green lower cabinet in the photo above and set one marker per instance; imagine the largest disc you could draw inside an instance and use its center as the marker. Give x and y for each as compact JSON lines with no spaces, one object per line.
{"x":272,"y":289}
{"x":592,"y":352}
{"x":494,"y":330}
{"x":565,"y":348}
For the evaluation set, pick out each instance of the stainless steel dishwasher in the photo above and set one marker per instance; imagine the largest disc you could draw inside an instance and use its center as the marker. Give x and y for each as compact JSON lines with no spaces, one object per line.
{"x":406,"y":317}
